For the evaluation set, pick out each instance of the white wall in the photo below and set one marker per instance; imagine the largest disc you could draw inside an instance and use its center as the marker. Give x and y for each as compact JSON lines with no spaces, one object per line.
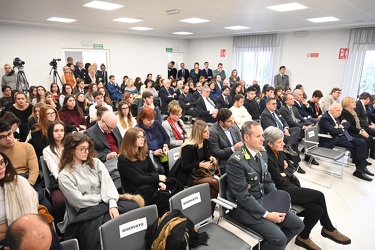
{"x":129,"y":55}
{"x":321,"y":73}
{"x":138,"y":55}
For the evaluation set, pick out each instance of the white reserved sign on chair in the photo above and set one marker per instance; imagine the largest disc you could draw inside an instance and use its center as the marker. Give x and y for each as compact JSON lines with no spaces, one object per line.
{"x":133,"y":227}
{"x":190,"y":200}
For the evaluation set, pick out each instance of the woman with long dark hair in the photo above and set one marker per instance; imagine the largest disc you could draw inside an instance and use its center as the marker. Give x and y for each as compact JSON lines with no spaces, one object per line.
{"x":125,"y":120}
{"x":66,"y":90}
{"x":71,"y":114}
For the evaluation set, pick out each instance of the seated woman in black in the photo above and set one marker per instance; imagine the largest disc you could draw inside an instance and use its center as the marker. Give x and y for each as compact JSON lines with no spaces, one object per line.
{"x":313,"y":201}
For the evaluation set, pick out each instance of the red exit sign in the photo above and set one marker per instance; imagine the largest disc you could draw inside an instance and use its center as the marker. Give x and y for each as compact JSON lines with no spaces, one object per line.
{"x":313,"y":54}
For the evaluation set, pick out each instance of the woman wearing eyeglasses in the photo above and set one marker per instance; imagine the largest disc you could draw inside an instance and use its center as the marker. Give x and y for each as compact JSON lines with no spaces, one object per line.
{"x":174,"y":126}
{"x":125,"y":120}
{"x":89,"y":190}
{"x":39,"y":132}
{"x":13,"y":189}
{"x":157,"y":139}
{"x":129,"y":99}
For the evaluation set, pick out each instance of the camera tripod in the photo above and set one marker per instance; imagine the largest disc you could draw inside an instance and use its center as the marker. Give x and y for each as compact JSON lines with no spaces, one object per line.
{"x":22,"y":83}
{"x":55,"y":75}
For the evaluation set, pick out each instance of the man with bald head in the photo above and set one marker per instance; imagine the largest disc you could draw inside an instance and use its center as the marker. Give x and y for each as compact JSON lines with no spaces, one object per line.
{"x":31,"y":232}
{"x":332,"y":124}
{"x":106,"y":136}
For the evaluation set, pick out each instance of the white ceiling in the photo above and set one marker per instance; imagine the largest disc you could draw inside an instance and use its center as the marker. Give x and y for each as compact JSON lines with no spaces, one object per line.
{"x":221,"y":13}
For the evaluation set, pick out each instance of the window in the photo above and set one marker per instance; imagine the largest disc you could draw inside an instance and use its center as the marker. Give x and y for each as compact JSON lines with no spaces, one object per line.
{"x":367,"y":82}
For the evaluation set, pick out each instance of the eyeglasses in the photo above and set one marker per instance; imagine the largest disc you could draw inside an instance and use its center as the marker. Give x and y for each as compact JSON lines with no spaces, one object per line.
{"x":125,"y":108}
{"x":83,"y":150}
{"x":110,"y":128}
{"x":131,"y":97}
{"x":3,"y":137}
{"x":51,"y":113}
{"x":3,"y":163}
{"x":141,"y":137}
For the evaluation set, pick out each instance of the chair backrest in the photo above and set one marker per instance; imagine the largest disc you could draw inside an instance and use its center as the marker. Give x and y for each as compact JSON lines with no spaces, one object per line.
{"x":312,"y":135}
{"x":173,"y":155}
{"x":46,"y":172}
{"x":71,"y":244}
{"x":223,"y":192}
{"x":128,"y":230}
{"x":195,"y":203}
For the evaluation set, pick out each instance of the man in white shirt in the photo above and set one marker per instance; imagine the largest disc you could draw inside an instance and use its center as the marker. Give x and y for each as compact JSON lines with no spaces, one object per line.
{"x":240,"y":113}
{"x":98,"y":101}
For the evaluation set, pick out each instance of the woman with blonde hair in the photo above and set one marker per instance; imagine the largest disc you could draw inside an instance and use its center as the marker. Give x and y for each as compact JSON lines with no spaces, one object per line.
{"x":130,"y":87}
{"x":90,"y":77}
{"x":68,"y":77}
{"x":129,"y":99}
{"x":125,"y":120}
{"x":174,"y":126}
{"x":355,"y":129}
{"x":89,"y":189}
{"x":196,"y":154}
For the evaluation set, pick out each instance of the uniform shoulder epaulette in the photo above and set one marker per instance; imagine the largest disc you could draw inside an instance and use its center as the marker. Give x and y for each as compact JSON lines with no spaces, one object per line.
{"x":238,"y":155}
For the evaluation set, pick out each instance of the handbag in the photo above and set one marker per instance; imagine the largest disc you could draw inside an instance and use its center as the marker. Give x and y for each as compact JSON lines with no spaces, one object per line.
{"x":201,"y":173}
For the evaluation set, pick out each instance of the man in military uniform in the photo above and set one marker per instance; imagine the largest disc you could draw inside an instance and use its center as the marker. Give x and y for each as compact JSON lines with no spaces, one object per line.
{"x":248,"y":182}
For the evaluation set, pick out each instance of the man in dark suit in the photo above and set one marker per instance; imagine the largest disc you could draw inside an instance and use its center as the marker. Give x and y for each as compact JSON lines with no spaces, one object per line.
{"x":80,"y":87}
{"x":248,"y":182}
{"x":80,"y":70}
{"x":282,"y":79}
{"x":294,"y":119}
{"x":166,"y":94}
{"x":186,"y":102}
{"x":314,"y":103}
{"x":218,"y":82}
{"x":198,"y":92}
{"x":106,"y":136}
{"x":172,"y":71}
{"x":178,"y":89}
{"x":225,"y":138}
{"x":224,"y":100}
{"x":362,"y":113}
{"x":270,"y":92}
{"x":114,"y":89}
{"x":271,"y":117}
{"x":206,"y":107}
{"x":207,"y":72}
{"x":371,"y":108}
{"x":102,"y":74}
{"x":303,"y":107}
{"x":183,"y":72}
{"x":251,"y":104}
{"x":331,"y":124}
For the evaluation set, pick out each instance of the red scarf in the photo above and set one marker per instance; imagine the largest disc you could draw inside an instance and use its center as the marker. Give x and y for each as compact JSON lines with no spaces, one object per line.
{"x":175,"y":131}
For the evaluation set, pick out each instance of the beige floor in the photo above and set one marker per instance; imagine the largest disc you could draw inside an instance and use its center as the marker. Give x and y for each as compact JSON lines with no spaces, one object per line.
{"x":351,"y":207}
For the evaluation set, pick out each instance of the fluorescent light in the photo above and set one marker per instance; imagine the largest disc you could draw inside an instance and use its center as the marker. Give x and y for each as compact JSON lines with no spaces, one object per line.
{"x":194,"y":20}
{"x":127,"y":20}
{"x":61,"y":20}
{"x":287,"y":7}
{"x":103,"y":5}
{"x":323,"y":19}
{"x":141,"y":28}
{"x":183,"y":33}
{"x":238,"y":27}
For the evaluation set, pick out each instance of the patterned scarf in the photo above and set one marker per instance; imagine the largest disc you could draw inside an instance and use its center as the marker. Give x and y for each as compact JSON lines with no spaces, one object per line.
{"x":175,"y":131}
{"x":354,"y":114}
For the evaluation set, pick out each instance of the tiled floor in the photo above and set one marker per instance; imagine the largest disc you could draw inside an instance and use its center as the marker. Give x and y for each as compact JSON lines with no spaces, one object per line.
{"x":351,"y":207}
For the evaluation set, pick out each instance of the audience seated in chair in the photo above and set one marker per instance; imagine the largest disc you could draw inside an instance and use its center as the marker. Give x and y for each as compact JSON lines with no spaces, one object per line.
{"x":88,"y":189}
{"x":174,"y":126}
{"x":240,"y":113}
{"x":206,"y":107}
{"x":311,"y":200}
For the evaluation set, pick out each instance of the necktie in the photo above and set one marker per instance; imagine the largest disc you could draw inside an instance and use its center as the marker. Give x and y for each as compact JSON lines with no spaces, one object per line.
{"x":226,"y":100}
{"x":282,"y":77}
{"x":183,"y":72}
{"x":210,"y":102}
{"x":278,"y":123}
{"x":257,"y":159}
{"x":347,"y":135}
{"x":292,"y":115}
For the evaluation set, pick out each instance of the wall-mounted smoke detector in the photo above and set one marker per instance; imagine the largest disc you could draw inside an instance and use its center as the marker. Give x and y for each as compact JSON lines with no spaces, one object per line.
{"x":173,"y":12}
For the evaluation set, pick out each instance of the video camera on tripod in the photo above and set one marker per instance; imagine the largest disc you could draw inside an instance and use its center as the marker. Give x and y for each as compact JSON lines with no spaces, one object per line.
{"x":22,"y":82}
{"x":53,"y":63}
{"x":56,"y":75}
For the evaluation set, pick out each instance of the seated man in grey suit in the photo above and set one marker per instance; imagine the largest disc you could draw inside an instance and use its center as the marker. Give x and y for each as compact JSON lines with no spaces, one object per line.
{"x":248,"y":182}
{"x":206,"y":107}
{"x":282,"y":79}
{"x":225,"y":137}
{"x":106,"y":136}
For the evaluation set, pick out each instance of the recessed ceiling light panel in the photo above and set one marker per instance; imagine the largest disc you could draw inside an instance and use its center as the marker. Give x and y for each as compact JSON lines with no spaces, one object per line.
{"x":287,"y":7}
{"x":141,"y":28}
{"x":61,"y":20}
{"x":127,"y":20}
{"x":183,"y":33}
{"x":194,"y":20}
{"x":237,"y":27}
{"x":323,"y":19}
{"x":103,"y":5}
